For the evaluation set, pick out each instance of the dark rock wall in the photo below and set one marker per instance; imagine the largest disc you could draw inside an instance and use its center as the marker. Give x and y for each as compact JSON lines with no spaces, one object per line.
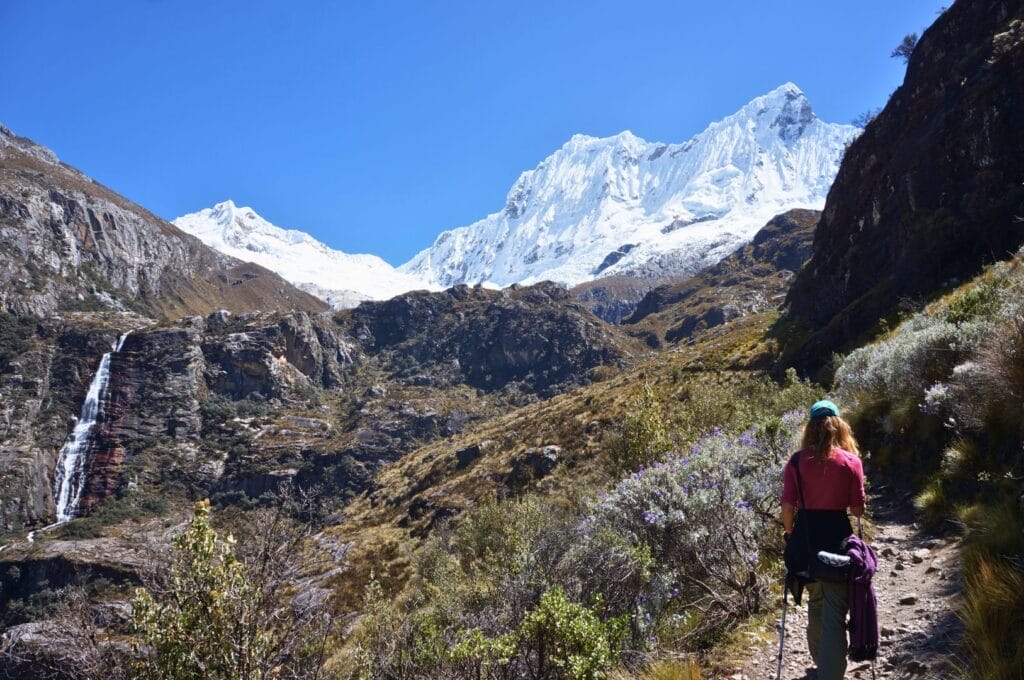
{"x":158,"y":383}
{"x":933,"y":188}
{"x":537,"y":336}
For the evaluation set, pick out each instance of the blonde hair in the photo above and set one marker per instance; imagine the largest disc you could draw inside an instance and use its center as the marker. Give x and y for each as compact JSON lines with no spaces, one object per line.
{"x":823,"y":434}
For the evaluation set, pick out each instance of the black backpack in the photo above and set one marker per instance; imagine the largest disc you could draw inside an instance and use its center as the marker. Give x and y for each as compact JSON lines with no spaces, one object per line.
{"x":814,"y":531}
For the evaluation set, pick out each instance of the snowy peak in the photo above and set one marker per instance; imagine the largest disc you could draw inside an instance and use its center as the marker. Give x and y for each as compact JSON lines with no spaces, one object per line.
{"x":597,"y":206}
{"x":339,"y":278}
{"x":622,"y":205}
{"x":242,"y":227}
{"x":785,"y":112}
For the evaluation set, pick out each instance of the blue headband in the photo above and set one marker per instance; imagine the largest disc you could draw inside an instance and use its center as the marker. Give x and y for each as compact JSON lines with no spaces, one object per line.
{"x":823,"y":408}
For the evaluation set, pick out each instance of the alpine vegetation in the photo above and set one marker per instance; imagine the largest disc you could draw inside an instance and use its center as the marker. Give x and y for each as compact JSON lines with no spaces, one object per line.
{"x":663,"y":561}
{"x":940,"y":400}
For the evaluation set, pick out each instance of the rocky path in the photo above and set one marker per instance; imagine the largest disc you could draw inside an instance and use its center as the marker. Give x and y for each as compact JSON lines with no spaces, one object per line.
{"x":917,"y":585}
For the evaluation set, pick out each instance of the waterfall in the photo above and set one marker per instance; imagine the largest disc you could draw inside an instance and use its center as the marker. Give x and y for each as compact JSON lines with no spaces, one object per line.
{"x":70,"y":474}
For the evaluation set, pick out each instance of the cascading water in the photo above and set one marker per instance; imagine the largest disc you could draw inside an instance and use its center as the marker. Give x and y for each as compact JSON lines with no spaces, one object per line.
{"x":70,"y":475}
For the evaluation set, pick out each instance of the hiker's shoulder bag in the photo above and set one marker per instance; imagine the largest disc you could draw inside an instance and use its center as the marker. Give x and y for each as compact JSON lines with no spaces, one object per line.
{"x":810,"y":553}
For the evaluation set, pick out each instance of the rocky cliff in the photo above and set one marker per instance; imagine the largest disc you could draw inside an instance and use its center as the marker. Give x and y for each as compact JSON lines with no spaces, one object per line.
{"x":236,"y":404}
{"x":68,"y":243}
{"x":933,"y":188}
{"x":153,"y":427}
{"x":535,"y":339}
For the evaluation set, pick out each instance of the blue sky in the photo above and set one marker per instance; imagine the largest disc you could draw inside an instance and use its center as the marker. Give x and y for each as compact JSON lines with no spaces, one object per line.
{"x":375,"y":125}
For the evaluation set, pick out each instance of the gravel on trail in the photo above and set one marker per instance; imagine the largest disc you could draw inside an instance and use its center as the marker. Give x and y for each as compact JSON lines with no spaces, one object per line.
{"x":918,"y":588}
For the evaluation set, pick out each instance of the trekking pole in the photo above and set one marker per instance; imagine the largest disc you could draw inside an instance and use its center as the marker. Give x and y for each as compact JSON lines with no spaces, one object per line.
{"x":782,"y":628}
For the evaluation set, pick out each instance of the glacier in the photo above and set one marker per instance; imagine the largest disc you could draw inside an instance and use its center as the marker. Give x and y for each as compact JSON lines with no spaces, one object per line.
{"x":621,"y":205}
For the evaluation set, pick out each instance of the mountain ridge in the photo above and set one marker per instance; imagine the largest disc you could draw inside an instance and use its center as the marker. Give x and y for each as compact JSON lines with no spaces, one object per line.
{"x":68,"y":242}
{"x":339,"y":278}
{"x":654,"y":214}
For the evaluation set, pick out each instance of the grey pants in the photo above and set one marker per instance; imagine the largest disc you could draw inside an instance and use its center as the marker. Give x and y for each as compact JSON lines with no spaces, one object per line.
{"x":826,"y":628}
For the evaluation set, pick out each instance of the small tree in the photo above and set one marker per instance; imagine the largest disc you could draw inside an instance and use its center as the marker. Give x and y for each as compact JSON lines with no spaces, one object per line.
{"x":905,"y":48}
{"x":564,"y":639}
{"x":862,"y":119}
{"x":202,"y":624}
{"x":214,"y":611}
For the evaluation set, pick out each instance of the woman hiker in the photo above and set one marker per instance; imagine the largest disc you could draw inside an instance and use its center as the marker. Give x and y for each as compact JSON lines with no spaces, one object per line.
{"x":830,"y":480}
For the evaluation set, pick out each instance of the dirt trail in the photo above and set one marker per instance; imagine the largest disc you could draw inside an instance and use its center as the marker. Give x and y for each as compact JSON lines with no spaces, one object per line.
{"x":917,"y":584}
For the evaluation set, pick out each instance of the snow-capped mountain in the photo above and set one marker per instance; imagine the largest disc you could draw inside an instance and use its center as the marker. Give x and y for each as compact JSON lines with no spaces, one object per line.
{"x":341,"y":279}
{"x":622,"y":205}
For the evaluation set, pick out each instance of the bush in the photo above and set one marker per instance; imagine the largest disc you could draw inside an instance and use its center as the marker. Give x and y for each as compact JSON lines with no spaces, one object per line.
{"x":562,"y":638}
{"x":644,"y":438}
{"x":215,"y":611}
{"x":680,"y":510}
{"x":921,"y":353}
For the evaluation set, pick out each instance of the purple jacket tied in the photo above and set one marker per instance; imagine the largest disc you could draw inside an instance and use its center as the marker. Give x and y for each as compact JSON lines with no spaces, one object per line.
{"x":861,"y":597}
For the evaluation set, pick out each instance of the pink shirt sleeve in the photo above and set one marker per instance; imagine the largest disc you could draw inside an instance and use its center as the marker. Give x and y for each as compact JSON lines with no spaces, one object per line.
{"x":789,"y":493}
{"x":857,"y":495}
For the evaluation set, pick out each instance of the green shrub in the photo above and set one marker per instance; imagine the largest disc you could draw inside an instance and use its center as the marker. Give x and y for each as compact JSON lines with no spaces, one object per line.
{"x":981,"y":300}
{"x":644,"y":437}
{"x":565,"y":639}
{"x":215,"y":609}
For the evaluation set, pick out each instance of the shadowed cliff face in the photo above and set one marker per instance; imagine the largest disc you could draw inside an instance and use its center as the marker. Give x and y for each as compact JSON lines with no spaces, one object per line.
{"x":162,"y":377}
{"x":933,"y":188}
{"x":536,"y":338}
{"x":68,"y":243}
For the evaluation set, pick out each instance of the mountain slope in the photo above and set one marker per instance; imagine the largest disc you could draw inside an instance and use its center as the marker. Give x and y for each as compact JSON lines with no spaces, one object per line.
{"x":931,"y":191}
{"x":620,"y":205}
{"x":67,"y":242}
{"x":753,"y":279}
{"x":341,"y":279}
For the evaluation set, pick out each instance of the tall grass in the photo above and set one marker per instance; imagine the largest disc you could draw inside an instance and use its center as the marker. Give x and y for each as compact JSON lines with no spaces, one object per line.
{"x":993,"y":611}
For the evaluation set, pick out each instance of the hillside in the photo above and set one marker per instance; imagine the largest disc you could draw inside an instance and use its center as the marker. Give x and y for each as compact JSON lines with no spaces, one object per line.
{"x":753,"y":279}
{"x":483,"y":483}
{"x":69,"y":243}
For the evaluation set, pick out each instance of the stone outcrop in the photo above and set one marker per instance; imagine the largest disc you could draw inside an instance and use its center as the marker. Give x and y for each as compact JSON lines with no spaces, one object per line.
{"x":931,"y":191}
{"x":536,"y":337}
{"x":614,"y":298}
{"x":41,"y":391}
{"x":159,"y":382}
